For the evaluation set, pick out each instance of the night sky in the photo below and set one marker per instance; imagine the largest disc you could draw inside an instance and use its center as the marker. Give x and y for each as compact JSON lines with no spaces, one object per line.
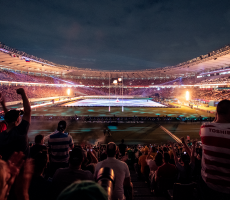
{"x":115,"y":34}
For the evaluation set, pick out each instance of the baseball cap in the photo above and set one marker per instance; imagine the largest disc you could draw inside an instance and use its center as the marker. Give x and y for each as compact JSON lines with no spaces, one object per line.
{"x":12,"y":115}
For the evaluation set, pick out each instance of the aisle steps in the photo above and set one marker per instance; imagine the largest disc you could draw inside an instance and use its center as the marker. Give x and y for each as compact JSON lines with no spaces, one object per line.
{"x":141,"y":189}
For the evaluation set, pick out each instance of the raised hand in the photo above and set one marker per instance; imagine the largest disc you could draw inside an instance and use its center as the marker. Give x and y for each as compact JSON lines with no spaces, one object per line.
{"x":20,"y":91}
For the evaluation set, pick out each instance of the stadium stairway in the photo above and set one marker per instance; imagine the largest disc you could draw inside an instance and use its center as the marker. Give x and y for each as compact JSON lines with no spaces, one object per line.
{"x":141,"y":189}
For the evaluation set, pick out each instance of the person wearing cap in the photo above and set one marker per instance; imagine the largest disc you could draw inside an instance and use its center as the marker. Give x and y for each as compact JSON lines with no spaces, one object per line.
{"x":14,"y":138}
{"x":59,"y":145}
{"x":66,"y":176}
{"x":38,"y":146}
{"x":3,"y":124}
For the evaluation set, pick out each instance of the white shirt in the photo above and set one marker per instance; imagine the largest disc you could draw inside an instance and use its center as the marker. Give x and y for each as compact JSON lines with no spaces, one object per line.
{"x":121,"y":172}
{"x":215,"y":163}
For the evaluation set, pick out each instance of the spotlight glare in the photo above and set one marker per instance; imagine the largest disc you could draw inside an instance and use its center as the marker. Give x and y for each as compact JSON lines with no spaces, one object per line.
{"x":187,"y":95}
{"x":68,"y":91}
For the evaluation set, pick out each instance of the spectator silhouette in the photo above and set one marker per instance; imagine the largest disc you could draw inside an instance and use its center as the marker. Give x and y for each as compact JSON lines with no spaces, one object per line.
{"x":215,"y":139}
{"x":66,"y":176}
{"x":14,"y":138}
{"x":120,"y":168}
{"x":59,"y":143}
{"x":38,"y":147}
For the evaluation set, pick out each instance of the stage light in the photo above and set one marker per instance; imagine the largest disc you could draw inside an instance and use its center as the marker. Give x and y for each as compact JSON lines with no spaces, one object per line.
{"x":68,"y":91}
{"x":187,"y":95}
{"x":119,"y":79}
{"x":115,"y":81}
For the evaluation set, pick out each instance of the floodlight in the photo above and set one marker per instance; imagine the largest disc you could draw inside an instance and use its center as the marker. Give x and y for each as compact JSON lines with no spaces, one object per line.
{"x":68,"y":91}
{"x":187,"y":95}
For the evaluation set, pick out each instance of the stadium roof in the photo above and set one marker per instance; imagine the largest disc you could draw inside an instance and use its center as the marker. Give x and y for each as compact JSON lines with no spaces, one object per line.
{"x":212,"y":61}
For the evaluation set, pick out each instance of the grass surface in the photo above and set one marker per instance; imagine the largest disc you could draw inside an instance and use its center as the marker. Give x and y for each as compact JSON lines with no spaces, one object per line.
{"x":128,"y":111}
{"x":210,"y":108}
{"x":136,"y":133}
{"x":140,"y":133}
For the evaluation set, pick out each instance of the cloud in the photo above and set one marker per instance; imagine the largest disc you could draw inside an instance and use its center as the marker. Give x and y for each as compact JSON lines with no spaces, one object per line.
{"x":115,"y":34}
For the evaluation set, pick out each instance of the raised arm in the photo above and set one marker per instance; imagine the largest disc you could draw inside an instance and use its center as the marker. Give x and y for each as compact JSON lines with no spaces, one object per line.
{"x":186,"y":146}
{"x":174,"y":153}
{"x":3,"y":103}
{"x":92,"y":156}
{"x":192,"y":159}
{"x":149,"y":155}
{"x":26,"y":105}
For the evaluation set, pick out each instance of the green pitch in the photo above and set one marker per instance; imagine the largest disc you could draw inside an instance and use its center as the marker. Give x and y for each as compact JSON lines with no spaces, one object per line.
{"x":133,"y":133}
{"x":128,"y":111}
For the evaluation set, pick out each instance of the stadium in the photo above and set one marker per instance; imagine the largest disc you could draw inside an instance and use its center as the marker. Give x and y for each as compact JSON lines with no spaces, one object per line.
{"x":114,"y":100}
{"x":142,"y":107}
{"x":118,"y":100}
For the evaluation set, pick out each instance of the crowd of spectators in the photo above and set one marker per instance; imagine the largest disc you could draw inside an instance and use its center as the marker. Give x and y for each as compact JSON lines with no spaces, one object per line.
{"x":6,"y":75}
{"x":216,"y":95}
{"x":18,"y":76}
{"x":9,"y":75}
{"x":158,"y":94}
{"x":32,"y":92}
{"x":222,"y":80}
{"x":64,"y":170}
{"x":162,"y":165}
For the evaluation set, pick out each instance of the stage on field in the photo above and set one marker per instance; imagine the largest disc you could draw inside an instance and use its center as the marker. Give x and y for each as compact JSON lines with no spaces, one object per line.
{"x":115,"y":102}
